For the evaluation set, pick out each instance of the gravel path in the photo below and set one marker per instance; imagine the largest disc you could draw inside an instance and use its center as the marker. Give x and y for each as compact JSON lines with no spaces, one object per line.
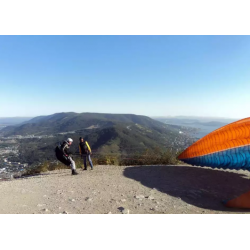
{"x":123,"y":190}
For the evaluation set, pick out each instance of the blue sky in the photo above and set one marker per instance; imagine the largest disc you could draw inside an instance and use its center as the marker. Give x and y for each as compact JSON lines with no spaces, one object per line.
{"x":147,"y":75}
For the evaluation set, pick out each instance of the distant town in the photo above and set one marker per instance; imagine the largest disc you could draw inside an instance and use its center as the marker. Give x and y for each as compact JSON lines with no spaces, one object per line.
{"x":7,"y":168}
{"x":9,"y":148}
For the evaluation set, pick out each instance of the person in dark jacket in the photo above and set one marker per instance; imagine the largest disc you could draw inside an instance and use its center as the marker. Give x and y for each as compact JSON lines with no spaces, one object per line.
{"x":63,"y":154}
{"x":85,"y":152}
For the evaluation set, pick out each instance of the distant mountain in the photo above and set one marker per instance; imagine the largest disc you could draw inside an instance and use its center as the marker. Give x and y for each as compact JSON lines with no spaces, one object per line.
{"x":13,"y":120}
{"x":205,"y":125}
{"x":8,"y":121}
{"x":106,"y":133}
{"x":65,"y":122}
{"x":195,"y":119}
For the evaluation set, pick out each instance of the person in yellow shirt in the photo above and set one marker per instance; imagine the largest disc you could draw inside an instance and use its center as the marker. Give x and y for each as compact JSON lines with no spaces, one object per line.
{"x":85,"y":152}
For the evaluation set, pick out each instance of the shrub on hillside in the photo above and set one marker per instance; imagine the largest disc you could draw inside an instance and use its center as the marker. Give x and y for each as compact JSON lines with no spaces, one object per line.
{"x":155,"y":156}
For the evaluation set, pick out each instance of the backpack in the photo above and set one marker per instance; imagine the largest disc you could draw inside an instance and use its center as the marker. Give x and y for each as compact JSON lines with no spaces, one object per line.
{"x":58,"y":149}
{"x":60,"y":156}
{"x":84,"y":149}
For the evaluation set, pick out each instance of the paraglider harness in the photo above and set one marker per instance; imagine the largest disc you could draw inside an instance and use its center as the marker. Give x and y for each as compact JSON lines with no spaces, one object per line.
{"x":60,"y":154}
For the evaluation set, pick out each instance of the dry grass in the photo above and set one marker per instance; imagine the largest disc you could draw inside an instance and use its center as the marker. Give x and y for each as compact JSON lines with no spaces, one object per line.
{"x":149,"y":157}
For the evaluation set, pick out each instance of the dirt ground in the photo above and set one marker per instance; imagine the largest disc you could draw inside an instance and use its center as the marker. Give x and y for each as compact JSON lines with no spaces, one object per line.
{"x":125,"y":190}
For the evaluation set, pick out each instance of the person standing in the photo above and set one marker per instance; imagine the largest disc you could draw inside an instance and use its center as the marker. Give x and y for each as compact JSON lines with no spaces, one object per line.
{"x":85,"y":152}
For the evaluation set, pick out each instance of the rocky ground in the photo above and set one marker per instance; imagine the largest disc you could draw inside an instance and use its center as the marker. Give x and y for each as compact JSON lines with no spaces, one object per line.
{"x":123,"y":190}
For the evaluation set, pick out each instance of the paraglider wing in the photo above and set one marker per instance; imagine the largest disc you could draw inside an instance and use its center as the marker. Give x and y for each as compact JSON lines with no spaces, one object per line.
{"x":227,"y":147}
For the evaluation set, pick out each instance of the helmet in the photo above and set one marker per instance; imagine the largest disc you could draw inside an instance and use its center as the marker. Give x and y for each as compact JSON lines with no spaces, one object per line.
{"x":69,"y":140}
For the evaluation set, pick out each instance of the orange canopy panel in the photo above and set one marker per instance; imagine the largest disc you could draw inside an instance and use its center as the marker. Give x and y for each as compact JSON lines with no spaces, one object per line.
{"x":227,"y":147}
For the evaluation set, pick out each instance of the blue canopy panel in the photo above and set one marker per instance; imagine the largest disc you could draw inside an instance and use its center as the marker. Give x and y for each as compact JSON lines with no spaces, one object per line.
{"x":234,"y":158}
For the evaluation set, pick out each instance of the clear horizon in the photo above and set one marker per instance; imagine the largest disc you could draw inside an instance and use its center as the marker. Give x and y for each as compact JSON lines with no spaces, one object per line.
{"x":204,"y":76}
{"x":170,"y":116}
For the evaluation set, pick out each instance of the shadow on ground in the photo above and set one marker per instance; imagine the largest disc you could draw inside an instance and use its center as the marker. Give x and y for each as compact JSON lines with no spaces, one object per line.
{"x":43,"y":175}
{"x":201,"y":187}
